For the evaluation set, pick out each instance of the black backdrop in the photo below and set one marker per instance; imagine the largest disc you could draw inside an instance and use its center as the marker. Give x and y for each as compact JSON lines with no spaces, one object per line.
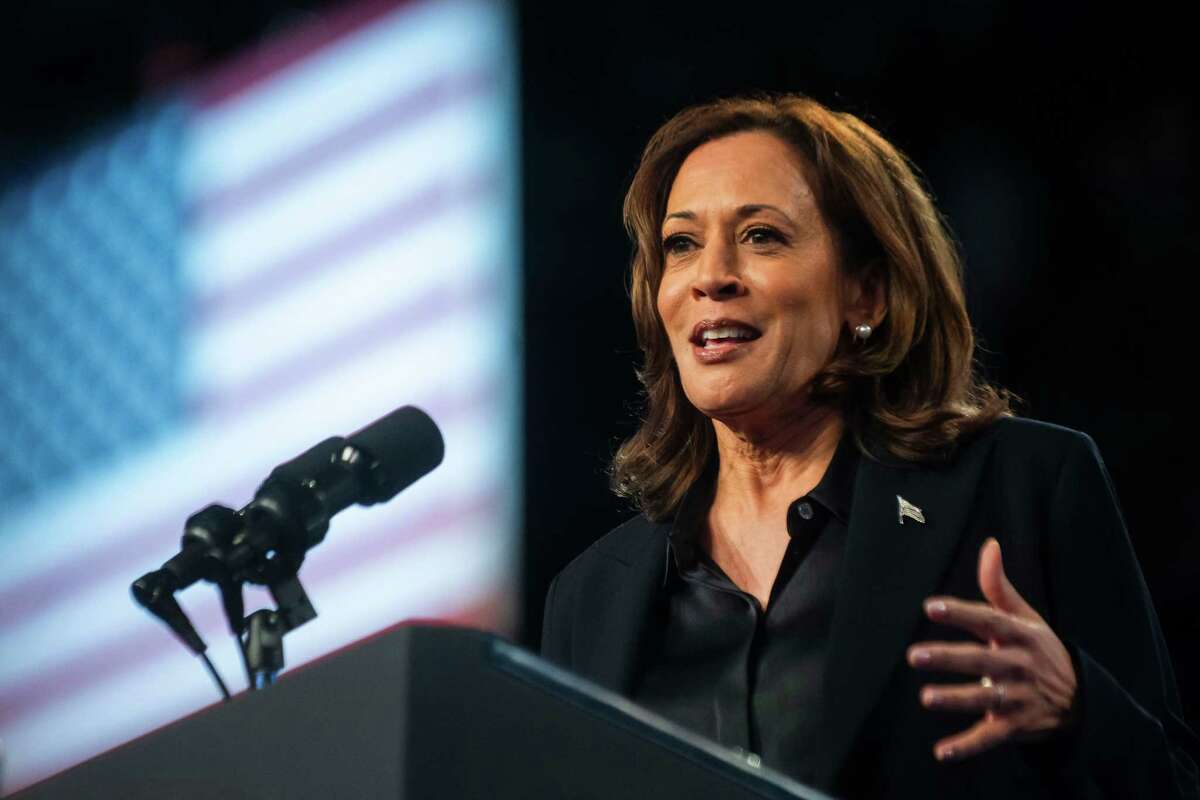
{"x":1060,"y":140}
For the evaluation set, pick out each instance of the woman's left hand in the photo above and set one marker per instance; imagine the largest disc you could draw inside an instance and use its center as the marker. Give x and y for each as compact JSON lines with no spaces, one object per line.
{"x":1027,"y":685}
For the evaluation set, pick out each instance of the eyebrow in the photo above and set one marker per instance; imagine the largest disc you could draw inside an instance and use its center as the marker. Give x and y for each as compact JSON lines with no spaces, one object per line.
{"x":742,"y":212}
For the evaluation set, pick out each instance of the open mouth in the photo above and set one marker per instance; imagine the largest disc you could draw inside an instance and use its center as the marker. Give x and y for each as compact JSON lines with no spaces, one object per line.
{"x":712,"y":334}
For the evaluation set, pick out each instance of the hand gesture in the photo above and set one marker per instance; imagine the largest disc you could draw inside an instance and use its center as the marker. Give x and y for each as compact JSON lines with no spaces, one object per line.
{"x":1026,"y":687}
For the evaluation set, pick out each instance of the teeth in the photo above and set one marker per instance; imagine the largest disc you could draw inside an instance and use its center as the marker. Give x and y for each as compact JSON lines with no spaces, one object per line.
{"x":726,"y":333}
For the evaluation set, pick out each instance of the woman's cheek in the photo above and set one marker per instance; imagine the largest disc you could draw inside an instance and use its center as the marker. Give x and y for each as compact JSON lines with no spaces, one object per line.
{"x":668,"y":303}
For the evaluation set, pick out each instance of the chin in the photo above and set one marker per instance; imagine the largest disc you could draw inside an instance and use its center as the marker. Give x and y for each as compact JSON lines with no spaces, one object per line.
{"x":725,"y":404}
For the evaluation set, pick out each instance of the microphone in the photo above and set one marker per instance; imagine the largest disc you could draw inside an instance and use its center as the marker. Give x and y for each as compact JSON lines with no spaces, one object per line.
{"x":291,"y":510}
{"x":266,"y":541}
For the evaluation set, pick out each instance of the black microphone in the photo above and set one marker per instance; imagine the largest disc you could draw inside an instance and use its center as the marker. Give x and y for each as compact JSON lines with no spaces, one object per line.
{"x":267,"y":540}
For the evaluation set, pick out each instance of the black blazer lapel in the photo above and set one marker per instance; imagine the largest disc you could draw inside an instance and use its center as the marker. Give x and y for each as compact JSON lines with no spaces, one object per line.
{"x":888,"y":569}
{"x":619,"y":605}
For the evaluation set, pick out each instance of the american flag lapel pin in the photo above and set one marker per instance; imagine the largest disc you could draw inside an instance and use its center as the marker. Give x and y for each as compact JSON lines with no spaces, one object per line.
{"x":907,"y":509}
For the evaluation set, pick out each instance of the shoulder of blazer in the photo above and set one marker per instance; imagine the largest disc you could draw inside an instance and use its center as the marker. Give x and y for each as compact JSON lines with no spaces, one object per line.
{"x":1029,"y":441}
{"x":1036,"y":434}
{"x":597,"y":610}
{"x":629,"y":543}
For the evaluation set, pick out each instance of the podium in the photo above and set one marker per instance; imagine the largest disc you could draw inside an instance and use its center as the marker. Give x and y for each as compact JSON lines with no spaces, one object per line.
{"x":422,"y":712}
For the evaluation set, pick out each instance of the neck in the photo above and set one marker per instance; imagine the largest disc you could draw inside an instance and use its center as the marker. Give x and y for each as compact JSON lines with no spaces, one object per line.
{"x":762,"y":470}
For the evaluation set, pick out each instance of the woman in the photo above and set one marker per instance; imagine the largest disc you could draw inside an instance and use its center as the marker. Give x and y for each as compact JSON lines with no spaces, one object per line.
{"x":852,"y":561}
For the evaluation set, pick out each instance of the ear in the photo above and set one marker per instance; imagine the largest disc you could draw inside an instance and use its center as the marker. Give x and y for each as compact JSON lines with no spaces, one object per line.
{"x":866,"y":299}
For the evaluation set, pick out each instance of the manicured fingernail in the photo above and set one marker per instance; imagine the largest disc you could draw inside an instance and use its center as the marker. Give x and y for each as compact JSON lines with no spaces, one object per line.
{"x":935,"y":607}
{"x":946,"y":753}
{"x":929,"y":698}
{"x":919,"y":657}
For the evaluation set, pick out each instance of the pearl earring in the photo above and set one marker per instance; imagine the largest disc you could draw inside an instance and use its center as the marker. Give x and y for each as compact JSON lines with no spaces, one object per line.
{"x":862,"y":332}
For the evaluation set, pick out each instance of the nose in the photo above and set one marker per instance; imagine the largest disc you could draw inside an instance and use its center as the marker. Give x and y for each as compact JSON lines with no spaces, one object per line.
{"x":717,"y":275}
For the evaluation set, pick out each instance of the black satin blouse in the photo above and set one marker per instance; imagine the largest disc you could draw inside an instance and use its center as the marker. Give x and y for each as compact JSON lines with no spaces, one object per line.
{"x":726,"y":668}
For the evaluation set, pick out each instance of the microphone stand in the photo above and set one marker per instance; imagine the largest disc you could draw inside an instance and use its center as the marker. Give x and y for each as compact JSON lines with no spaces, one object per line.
{"x":264,"y":554}
{"x":266,"y":541}
{"x":217,"y":548}
{"x":263,"y":631}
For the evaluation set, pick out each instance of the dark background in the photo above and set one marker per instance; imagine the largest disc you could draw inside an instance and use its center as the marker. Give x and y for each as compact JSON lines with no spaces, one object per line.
{"x":1061,"y":142}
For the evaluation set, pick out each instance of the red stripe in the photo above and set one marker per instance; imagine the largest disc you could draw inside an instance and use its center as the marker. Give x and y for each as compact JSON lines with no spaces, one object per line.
{"x":261,"y":287}
{"x":488,"y":504}
{"x":441,"y":92}
{"x":112,"y":657}
{"x":255,"y":66}
{"x":382,"y":329}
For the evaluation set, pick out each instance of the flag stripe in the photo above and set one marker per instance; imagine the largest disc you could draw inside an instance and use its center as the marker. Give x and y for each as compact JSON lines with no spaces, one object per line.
{"x":263,"y":285}
{"x":409,"y":318}
{"x":441,"y":92}
{"x":253,"y":67}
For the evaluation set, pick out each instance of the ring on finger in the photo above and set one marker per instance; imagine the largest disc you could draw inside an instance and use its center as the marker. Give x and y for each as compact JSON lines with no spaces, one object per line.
{"x":999,"y":690}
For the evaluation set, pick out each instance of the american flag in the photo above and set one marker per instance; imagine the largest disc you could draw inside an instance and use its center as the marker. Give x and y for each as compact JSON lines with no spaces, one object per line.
{"x":319,"y":231}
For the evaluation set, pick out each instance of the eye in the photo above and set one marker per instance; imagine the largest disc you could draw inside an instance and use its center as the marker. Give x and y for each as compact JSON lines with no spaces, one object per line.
{"x":761,"y":234}
{"x":677,"y":244}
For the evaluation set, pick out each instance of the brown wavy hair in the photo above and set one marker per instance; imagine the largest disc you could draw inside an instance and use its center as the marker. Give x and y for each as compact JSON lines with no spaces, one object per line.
{"x":911,"y":391}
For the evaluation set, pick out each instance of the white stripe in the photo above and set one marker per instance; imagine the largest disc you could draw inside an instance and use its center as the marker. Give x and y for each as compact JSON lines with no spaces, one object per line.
{"x":450,"y":254}
{"x":348,"y":80}
{"x":445,"y":151}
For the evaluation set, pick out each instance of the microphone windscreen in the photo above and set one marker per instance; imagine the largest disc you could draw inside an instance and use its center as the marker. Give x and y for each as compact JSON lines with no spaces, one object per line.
{"x":406,"y":444}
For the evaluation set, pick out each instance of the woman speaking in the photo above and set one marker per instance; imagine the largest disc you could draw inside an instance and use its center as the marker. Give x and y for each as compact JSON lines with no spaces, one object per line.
{"x":853,"y":562}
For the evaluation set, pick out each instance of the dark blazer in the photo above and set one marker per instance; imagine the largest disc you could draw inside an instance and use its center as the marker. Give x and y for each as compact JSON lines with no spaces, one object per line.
{"x":1044,"y":493}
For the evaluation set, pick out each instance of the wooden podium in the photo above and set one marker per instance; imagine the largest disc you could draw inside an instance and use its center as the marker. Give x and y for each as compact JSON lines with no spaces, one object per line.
{"x":422,"y":712}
